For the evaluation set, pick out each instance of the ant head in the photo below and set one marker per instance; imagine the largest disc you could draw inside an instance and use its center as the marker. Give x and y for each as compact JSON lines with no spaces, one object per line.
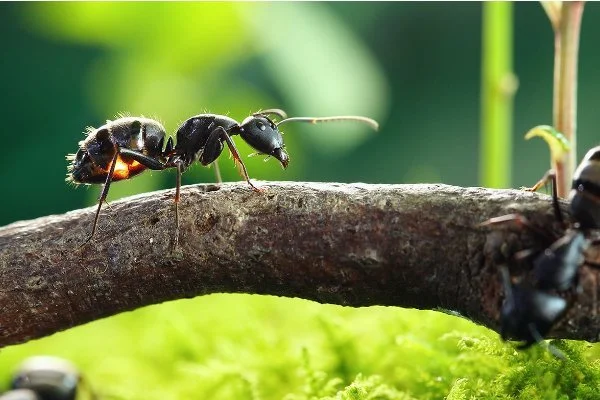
{"x":262,"y":134}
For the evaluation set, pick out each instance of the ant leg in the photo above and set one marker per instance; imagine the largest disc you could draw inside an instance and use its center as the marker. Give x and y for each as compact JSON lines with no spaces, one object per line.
{"x":217,"y":172}
{"x":540,"y":340}
{"x":518,"y":220}
{"x":542,"y":182}
{"x":157,"y":165}
{"x":103,"y":195}
{"x":143,"y":159}
{"x":549,"y":176}
{"x":236,"y":156}
{"x":177,"y":197}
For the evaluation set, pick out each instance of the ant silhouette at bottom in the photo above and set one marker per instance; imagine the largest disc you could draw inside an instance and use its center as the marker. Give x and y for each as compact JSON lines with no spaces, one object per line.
{"x":124,"y":148}
{"x":47,"y":378}
{"x":533,"y":306}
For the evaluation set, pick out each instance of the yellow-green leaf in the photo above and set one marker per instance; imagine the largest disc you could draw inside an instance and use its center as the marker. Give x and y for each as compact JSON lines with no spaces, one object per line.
{"x":553,"y":10}
{"x":557,"y":142}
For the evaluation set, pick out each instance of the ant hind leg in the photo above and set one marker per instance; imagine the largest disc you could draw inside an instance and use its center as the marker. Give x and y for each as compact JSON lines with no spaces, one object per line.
{"x":103,"y":196}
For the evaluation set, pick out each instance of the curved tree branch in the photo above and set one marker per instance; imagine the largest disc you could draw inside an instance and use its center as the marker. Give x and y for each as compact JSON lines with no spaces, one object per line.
{"x":350,"y":244}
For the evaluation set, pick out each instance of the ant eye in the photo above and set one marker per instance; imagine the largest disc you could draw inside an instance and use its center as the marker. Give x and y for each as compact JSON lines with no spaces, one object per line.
{"x":260,"y":125}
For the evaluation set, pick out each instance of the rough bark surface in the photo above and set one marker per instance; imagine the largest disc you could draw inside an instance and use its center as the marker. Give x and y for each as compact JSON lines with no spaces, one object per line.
{"x":350,"y":244}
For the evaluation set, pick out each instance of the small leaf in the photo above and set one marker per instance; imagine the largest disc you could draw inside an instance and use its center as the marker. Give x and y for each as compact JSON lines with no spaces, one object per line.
{"x":557,"y":142}
{"x":553,"y":10}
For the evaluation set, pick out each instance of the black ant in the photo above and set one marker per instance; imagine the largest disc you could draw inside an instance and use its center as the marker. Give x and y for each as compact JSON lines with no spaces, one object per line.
{"x":46,"y":378}
{"x":531,"y":308}
{"x":127,"y":146}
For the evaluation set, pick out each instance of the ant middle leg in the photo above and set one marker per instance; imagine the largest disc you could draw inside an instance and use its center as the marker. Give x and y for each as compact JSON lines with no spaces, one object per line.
{"x":158,"y":165}
{"x":178,"y":164}
{"x":217,"y":172}
{"x":146,"y":161}
{"x":177,"y":197}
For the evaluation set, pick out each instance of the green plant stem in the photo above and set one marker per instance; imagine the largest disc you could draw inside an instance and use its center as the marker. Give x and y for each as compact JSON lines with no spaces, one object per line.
{"x":498,"y":86}
{"x":566,"y":48}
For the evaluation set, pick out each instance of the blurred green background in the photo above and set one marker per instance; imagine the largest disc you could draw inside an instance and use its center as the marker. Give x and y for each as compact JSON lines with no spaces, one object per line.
{"x":415,"y":67}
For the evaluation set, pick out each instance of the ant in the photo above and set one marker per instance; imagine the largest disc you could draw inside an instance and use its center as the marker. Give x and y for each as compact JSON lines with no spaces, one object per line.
{"x":531,"y":308}
{"x":46,"y":378}
{"x":127,"y":146}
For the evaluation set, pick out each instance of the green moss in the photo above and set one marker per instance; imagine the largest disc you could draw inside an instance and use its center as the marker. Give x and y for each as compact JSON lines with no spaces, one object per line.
{"x":261,"y":348}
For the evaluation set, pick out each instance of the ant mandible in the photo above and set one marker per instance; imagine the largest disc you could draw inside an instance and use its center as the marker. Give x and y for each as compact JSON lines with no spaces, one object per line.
{"x":531,"y":308}
{"x":125,"y":147}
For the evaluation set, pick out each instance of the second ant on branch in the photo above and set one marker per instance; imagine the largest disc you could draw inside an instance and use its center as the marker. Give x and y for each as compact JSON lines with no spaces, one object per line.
{"x":535,"y":304}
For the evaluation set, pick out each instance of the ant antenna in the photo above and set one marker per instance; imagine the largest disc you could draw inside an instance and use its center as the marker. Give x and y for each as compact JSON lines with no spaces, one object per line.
{"x":271,"y":111}
{"x":312,"y":120}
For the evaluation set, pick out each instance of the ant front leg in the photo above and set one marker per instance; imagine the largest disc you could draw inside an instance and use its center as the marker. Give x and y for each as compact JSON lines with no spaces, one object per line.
{"x":222,"y":134}
{"x":549,"y":176}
